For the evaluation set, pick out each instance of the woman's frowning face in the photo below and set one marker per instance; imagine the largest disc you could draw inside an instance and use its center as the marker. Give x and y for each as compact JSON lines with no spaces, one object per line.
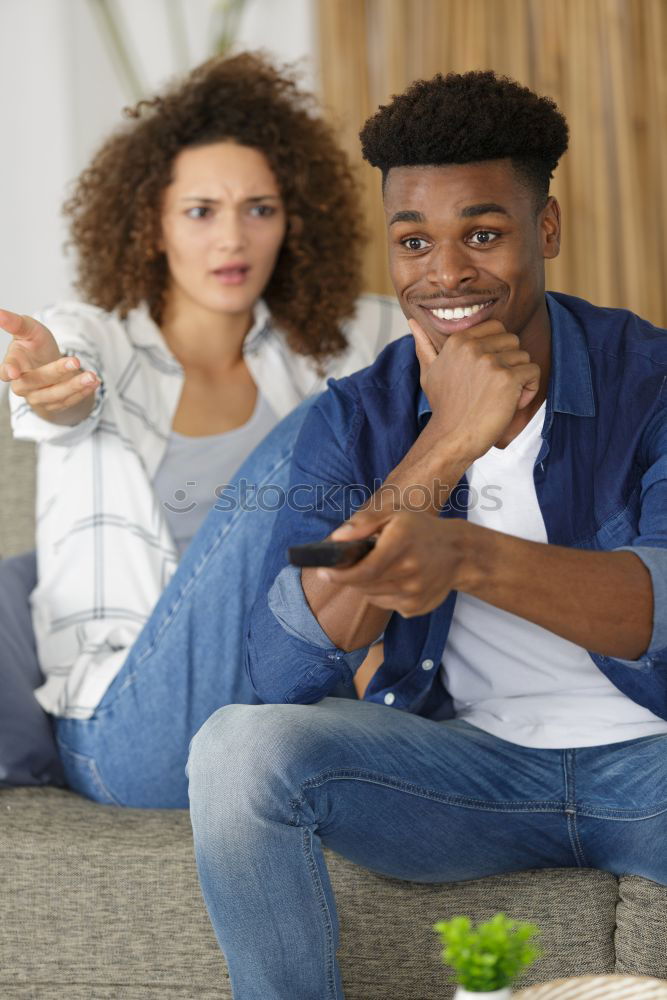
{"x":223,"y":224}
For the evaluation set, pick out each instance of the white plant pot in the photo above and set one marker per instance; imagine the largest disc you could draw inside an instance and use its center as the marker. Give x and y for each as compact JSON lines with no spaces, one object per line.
{"x":462,"y":994}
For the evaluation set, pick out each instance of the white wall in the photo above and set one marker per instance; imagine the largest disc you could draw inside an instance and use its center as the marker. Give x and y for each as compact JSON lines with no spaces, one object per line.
{"x":61,"y":95}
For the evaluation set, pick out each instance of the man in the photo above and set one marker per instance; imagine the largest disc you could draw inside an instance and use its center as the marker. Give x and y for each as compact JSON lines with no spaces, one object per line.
{"x":514,"y":451}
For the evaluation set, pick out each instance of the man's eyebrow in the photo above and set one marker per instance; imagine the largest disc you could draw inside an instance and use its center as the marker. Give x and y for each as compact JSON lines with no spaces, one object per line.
{"x":486,"y":208}
{"x":469,"y":212}
{"x":407,"y":217}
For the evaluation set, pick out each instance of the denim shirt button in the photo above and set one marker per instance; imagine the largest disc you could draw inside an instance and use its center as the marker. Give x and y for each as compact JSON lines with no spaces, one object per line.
{"x":389,"y":698}
{"x":427,"y":664}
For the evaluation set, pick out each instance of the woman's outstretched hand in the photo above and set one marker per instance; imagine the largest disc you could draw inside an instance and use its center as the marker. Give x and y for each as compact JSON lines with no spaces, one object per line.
{"x":54,"y":386}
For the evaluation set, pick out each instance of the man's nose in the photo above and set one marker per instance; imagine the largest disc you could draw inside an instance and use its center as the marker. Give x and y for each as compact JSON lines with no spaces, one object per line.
{"x":451,"y":267}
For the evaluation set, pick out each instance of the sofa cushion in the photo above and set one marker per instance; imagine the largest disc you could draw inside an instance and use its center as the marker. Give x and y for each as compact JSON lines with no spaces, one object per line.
{"x":17,"y":487}
{"x":641,"y":931}
{"x":96,"y":899}
{"x":28,"y":754}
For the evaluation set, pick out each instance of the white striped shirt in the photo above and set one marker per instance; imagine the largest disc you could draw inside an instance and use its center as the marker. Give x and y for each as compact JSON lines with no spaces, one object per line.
{"x":104,"y":548}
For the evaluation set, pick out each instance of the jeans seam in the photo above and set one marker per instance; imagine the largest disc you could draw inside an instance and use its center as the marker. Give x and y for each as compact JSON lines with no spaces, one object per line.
{"x":183,"y":593}
{"x":104,"y":709}
{"x":621,"y":815}
{"x":91,"y":765}
{"x":570,"y":808}
{"x":356,"y":774}
{"x":322,"y":901}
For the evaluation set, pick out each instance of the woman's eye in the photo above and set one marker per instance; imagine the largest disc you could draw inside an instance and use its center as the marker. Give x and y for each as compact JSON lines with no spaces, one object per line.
{"x":262,"y":211}
{"x":482,"y":237}
{"x":414,"y":243}
{"x":198,"y":212}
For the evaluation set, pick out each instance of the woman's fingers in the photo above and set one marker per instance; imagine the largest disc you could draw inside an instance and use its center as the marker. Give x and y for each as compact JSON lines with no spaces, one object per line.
{"x":76,"y":393}
{"x":14,"y":324}
{"x":31,"y":341}
{"x":23,"y":327}
{"x":56,"y":386}
{"x":36,"y":369}
{"x":39,"y":378}
{"x":17,"y":361}
{"x":62,"y":396}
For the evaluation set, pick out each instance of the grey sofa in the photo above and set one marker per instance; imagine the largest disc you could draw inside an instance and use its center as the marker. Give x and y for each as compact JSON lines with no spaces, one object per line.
{"x":97,"y":902}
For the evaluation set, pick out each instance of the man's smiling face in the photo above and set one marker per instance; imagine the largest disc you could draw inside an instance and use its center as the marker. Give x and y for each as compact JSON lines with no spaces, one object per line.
{"x":466,"y":244}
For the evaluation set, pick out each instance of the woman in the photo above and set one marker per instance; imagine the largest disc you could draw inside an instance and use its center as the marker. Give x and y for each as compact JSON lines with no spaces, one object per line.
{"x":218,"y":240}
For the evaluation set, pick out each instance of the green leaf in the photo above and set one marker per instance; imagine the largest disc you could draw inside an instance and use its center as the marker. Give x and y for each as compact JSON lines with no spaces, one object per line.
{"x":490,"y":955}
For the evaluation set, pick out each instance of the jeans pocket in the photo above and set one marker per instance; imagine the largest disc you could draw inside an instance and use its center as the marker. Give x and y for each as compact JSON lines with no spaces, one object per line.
{"x":83,"y":776}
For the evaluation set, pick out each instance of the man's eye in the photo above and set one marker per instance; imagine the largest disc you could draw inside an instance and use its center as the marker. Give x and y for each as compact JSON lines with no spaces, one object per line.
{"x":483,"y":236}
{"x":414,"y":243}
{"x":198,"y":212}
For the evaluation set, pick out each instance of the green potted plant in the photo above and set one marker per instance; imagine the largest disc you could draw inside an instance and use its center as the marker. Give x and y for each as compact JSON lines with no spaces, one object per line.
{"x":487,"y":958}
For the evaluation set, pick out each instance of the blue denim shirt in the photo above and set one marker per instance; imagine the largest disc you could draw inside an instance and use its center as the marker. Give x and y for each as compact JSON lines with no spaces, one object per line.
{"x":600,"y":478}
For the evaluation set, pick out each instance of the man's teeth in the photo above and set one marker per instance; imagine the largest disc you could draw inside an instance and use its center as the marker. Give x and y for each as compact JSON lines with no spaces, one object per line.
{"x":459,"y":313}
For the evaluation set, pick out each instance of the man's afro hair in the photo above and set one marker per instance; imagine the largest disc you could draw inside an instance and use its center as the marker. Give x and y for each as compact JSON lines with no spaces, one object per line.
{"x":465,"y":118}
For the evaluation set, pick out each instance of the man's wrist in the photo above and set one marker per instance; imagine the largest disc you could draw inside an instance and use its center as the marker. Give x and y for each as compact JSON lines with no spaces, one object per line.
{"x":428,"y":475}
{"x":474,"y":553}
{"x":444,"y":452}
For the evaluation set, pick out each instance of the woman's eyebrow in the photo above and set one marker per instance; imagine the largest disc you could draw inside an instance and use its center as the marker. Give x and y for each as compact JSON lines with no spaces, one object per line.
{"x":216,"y":201}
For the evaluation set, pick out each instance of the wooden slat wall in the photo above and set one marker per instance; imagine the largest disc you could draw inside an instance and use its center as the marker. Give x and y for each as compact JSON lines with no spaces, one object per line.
{"x":603,"y":61}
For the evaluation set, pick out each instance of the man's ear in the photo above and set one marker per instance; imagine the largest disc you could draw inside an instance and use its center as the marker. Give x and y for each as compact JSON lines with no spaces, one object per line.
{"x":549,"y":224}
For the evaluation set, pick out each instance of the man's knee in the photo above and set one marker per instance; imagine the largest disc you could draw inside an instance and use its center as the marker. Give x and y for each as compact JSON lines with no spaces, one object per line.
{"x":250,"y":745}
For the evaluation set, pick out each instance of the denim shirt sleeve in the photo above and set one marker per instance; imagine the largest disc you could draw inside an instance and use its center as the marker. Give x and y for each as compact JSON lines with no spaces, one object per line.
{"x":650,"y":544}
{"x":655,"y":561}
{"x":288,"y":656}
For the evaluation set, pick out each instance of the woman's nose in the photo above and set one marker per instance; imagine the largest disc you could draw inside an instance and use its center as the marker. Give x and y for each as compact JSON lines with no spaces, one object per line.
{"x":230,"y":232}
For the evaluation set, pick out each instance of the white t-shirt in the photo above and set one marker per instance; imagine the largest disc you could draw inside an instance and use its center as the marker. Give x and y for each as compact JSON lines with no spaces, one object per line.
{"x":506,"y":675}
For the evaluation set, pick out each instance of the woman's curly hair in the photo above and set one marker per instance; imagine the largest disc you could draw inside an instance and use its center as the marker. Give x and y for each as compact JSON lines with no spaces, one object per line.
{"x":465,"y":118}
{"x":115,"y":208}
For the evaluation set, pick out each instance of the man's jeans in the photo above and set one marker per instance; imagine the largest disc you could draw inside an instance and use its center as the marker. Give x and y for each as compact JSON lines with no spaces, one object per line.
{"x":188,"y":659}
{"x":402,"y":795}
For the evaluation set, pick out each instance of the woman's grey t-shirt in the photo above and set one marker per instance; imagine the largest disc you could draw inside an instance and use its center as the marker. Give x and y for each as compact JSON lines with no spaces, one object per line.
{"x":193,"y":468}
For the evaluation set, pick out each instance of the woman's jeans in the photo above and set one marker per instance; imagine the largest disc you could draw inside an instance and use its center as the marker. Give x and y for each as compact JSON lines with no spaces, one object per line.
{"x":188,"y":659}
{"x":405,"y":796}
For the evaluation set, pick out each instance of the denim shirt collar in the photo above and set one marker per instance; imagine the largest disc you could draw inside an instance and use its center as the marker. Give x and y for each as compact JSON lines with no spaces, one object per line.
{"x":570,"y":383}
